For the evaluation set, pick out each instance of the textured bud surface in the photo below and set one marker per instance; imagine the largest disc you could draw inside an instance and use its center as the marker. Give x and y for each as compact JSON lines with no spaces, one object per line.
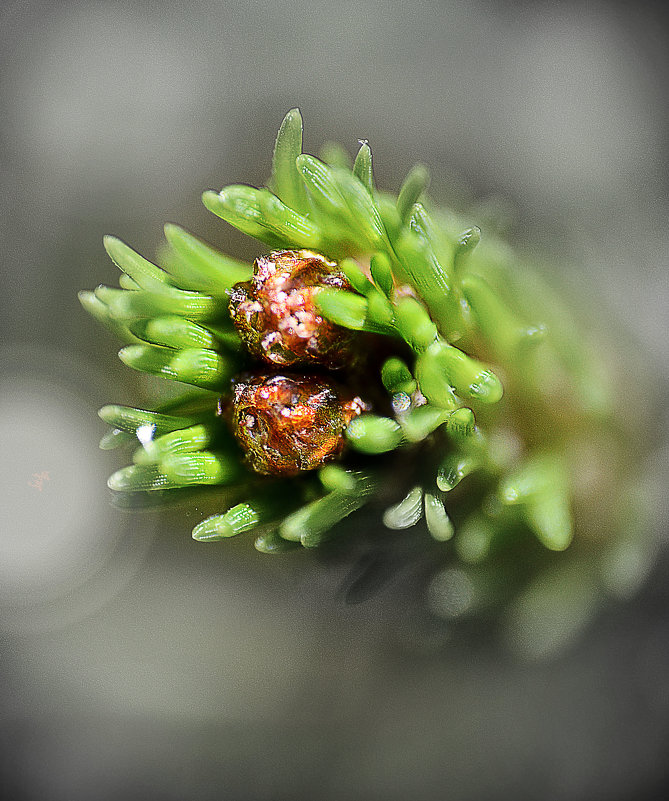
{"x":288,"y":422}
{"x":275,"y":313}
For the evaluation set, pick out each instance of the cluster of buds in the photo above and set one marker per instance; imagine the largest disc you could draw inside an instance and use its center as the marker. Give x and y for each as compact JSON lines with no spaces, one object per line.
{"x":276,"y":345}
{"x":288,"y":422}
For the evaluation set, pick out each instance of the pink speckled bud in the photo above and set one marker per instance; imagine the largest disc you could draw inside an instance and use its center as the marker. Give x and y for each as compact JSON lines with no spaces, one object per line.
{"x":275,"y":315}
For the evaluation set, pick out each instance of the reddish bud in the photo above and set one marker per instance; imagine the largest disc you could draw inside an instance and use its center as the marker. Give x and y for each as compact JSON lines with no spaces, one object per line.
{"x":275,"y":313}
{"x":288,"y":422}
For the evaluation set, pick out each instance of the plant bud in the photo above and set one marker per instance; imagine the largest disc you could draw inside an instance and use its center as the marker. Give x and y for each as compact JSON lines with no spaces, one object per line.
{"x":287,"y":422}
{"x":276,"y":316}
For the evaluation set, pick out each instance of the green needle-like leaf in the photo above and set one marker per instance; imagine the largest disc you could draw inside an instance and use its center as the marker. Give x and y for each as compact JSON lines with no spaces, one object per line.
{"x":100,"y":311}
{"x":433,"y":381}
{"x":461,"y":423}
{"x":356,"y":277}
{"x":334,"y":477}
{"x":197,"y":366}
{"x":407,"y":512}
{"x":550,"y":518}
{"x":141,"y":478}
{"x":503,"y":331}
{"x":382,"y":275}
{"x":286,"y":182}
{"x":272,"y":542}
{"x":142,"y":271}
{"x":321,"y":182}
{"x":341,"y":198}
{"x":292,"y":227}
{"x":467,"y":241}
{"x":240,"y":207}
{"x":413,"y":187}
{"x":420,"y":267}
{"x":362,"y":207}
{"x":341,"y":307}
{"x":454,"y":468}
{"x":414,"y":324}
{"x":242,"y":517}
{"x":370,"y":433}
{"x":126,"y":282}
{"x":124,"y":305}
{"x":540,"y":487}
{"x":184,"y":440}
{"x":380,"y":314}
{"x":362,"y":167}
{"x":422,"y":421}
{"x":468,"y":377}
{"x":128,"y":419}
{"x":311,"y":524}
{"x":396,"y":376}
{"x":438,"y":522}
{"x":174,"y":332}
{"x":538,"y":474}
{"x":200,"y":468}
{"x":114,"y":438}
{"x":198,"y":266}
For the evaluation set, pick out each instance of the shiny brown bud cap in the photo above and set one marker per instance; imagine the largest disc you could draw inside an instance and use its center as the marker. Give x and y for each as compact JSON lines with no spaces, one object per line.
{"x":277,"y":319}
{"x":288,"y":422}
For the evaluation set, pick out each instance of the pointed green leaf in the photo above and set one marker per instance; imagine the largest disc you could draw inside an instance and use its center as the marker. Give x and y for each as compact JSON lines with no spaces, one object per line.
{"x":184,"y":440}
{"x":292,"y":227}
{"x":174,"y":332}
{"x":341,"y":307}
{"x":239,"y":206}
{"x":406,"y":513}
{"x":98,"y":309}
{"x":382,"y":275}
{"x":413,"y":187}
{"x":362,"y":167}
{"x":396,"y":376}
{"x":197,"y":366}
{"x":438,"y":522}
{"x":467,"y":241}
{"x":550,"y":518}
{"x":286,"y":182}
{"x":414,"y":324}
{"x":141,"y":478}
{"x":454,"y":468}
{"x":124,"y":305}
{"x":272,"y":543}
{"x":422,"y":421}
{"x":142,"y":271}
{"x":433,"y":381}
{"x":356,"y":277}
{"x":311,"y":524}
{"x":503,"y":331}
{"x":200,"y":468}
{"x":467,"y":376}
{"x":334,"y":477}
{"x":198,"y":266}
{"x":370,"y":433}
{"x":129,"y":419}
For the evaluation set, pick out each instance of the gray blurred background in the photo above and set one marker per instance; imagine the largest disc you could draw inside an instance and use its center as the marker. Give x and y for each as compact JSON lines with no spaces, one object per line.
{"x":136,"y":662}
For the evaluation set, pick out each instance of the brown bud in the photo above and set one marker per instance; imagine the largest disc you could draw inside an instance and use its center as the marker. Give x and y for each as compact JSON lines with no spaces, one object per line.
{"x":275,"y":313}
{"x":288,"y":422}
